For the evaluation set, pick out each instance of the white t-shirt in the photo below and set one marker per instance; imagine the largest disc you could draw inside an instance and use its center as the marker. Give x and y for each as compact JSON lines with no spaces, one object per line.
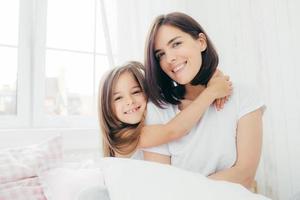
{"x":211,"y":145}
{"x":137,"y":155}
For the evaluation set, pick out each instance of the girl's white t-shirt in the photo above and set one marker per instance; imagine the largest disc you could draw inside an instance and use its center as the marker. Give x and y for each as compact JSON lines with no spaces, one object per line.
{"x":211,"y":145}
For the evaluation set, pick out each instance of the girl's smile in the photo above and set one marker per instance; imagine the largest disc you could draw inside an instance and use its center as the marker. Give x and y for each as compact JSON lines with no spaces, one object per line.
{"x":133,"y":110}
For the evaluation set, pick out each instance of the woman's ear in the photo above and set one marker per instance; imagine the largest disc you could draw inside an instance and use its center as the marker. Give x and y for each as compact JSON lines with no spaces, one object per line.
{"x":203,"y":41}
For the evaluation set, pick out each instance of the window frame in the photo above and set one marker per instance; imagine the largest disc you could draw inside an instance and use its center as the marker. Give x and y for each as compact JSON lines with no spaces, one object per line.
{"x":31,"y":74}
{"x":22,"y":117}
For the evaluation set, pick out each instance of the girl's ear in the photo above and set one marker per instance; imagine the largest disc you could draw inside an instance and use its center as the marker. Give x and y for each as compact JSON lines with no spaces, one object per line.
{"x":203,"y":41}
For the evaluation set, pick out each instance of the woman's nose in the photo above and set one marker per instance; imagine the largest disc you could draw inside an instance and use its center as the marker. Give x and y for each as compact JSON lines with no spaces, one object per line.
{"x":171,"y":57}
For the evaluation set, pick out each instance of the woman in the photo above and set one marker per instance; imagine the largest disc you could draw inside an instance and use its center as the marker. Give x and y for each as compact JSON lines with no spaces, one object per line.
{"x":225,"y":145}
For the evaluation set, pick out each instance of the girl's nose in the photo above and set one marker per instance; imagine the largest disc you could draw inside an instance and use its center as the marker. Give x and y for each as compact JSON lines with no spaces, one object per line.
{"x":129,"y":100}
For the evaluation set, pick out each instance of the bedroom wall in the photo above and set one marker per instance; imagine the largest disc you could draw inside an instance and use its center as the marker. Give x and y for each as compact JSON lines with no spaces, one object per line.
{"x":258,"y":42}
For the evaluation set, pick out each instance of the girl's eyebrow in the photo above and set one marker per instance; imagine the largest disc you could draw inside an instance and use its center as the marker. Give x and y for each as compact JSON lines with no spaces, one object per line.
{"x":136,"y":86}
{"x":169,"y":42}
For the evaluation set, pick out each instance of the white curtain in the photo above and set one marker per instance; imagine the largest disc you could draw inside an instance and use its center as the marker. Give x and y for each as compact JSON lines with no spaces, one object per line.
{"x":131,"y":23}
{"x":258,"y":43}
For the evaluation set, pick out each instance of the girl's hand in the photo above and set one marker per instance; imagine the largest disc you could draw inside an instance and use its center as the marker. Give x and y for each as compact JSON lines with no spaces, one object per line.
{"x":219,"y":103}
{"x":221,"y":88}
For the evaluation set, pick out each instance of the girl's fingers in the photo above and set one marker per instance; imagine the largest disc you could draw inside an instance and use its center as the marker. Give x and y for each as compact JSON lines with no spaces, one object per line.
{"x":226,"y":98}
{"x":215,"y":104}
{"x":218,"y":104}
{"x":223,"y":102}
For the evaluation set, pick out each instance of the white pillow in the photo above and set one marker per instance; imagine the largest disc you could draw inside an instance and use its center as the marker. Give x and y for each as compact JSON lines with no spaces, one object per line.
{"x":67,"y":183}
{"x":128,"y":179}
{"x":94,"y":193}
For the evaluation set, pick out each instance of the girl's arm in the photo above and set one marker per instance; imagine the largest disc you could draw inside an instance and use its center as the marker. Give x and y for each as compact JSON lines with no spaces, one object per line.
{"x":156,"y":157}
{"x":182,"y":123}
{"x":249,"y":142}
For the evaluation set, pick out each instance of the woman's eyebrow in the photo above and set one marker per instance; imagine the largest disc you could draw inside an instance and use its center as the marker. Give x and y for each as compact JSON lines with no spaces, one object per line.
{"x":172,"y":40}
{"x":169,"y":42}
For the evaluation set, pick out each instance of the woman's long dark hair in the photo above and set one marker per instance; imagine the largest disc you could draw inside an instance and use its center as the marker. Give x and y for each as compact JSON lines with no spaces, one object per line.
{"x":118,"y":137}
{"x":162,"y":87}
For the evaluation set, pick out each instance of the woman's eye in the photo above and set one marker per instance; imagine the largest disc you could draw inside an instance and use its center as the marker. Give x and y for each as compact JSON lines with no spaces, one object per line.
{"x":175,"y":44}
{"x":159,"y":56}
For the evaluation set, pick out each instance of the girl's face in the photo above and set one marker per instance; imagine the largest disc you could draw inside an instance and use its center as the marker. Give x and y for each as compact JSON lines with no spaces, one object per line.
{"x":128,"y":100}
{"x":179,"y":54}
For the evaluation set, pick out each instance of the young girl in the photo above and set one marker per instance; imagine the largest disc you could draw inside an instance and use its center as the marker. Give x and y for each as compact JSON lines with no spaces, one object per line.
{"x":122,"y":107}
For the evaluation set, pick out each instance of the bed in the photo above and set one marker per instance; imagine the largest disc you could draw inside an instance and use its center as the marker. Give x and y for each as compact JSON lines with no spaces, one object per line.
{"x":44,"y":172}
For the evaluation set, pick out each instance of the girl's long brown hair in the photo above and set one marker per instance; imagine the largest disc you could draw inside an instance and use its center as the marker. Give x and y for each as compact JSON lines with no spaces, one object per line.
{"x":118,"y":137}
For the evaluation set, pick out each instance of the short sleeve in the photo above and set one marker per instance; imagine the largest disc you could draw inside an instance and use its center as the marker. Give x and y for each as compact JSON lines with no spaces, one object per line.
{"x":156,"y":115}
{"x":249,"y":100}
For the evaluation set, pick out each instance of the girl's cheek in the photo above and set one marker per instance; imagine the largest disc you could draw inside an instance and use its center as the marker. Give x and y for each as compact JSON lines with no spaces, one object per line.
{"x":145,"y":100}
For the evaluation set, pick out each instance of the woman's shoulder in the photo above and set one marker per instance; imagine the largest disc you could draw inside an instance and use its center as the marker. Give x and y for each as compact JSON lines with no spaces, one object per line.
{"x":244,"y":92}
{"x":248,"y":97}
{"x":165,"y":113}
{"x":164,"y":108}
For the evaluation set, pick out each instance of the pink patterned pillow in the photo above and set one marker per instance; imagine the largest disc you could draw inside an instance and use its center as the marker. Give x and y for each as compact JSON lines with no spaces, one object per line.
{"x":26,"y":162}
{"x":28,"y":188}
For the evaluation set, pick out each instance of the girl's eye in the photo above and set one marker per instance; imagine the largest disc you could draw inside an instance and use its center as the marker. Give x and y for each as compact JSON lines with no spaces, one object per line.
{"x":175,"y":44}
{"x":136,"y":92}
{"x":117,"y":98}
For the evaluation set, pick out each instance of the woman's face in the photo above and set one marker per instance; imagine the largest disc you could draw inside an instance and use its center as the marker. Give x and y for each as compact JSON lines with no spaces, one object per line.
{"x":178,"y":53}
{"x":128,"y":101}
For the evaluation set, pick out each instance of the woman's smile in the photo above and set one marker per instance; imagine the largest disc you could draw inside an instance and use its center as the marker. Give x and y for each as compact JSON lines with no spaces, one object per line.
{"x":179,"y":67}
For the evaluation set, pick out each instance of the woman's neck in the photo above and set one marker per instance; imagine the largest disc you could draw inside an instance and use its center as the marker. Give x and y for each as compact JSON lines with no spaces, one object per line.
{"x":192,"y":91}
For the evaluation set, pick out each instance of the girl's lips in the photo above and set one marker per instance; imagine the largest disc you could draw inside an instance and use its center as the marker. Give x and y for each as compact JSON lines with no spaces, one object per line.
{"x":133,"y":110}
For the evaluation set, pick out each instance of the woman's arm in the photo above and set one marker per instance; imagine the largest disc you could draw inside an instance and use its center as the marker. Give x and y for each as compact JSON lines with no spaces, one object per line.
{"x":182,"y":123}
{"x":249,"y":142}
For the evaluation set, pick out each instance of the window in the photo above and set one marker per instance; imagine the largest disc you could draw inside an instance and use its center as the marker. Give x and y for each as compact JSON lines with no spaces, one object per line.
{"x":52,"y":61}
{"x":14,"y":64}
{"x":9,"y":54}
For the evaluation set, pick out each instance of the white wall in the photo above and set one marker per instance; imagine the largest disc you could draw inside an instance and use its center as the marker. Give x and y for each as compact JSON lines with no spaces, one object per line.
{"x":258,"y":42}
